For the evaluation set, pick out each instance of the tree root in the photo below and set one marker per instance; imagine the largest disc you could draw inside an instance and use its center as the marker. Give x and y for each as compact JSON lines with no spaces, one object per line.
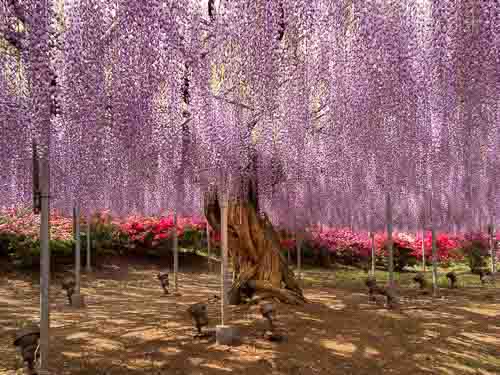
{"x":283,"y":295}
{"x":254,"y":247}
{"x":264,"y":289}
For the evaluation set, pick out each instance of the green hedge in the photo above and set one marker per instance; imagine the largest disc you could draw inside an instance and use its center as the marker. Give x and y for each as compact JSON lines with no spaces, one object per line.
{"x":25,"y":251}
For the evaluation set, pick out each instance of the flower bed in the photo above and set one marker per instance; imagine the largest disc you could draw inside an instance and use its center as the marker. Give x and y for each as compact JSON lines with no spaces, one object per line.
{"x":19,"y":236}
{"x":19,"y":239}
{"x":350,"y":248}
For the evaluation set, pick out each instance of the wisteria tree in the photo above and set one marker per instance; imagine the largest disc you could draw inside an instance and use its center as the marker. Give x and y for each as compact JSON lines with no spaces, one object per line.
{"x":295,"y":112}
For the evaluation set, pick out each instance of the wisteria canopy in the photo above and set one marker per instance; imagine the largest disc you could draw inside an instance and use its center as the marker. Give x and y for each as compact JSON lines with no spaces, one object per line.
{"x":324,"y":107}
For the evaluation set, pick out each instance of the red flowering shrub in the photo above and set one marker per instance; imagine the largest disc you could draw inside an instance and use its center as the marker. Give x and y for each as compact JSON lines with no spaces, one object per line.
{"x":402,"y":250}
{"x":19,"y":237}
{"x":448,"y":248}
{"x":350,"y":247}
{"x":154,"y":232}
{"x":288,"y":244}
{"x":147,"y":232}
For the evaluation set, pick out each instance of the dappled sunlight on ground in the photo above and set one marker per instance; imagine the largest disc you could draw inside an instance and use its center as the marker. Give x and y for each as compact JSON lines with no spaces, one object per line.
{"x":340,"y":348}
{"x":491,"y":310}
{"x":129,"y":327}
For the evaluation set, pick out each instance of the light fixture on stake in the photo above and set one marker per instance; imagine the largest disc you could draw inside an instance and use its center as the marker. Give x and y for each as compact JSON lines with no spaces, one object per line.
{"x":268,"y":311}
{"x":452,"y":279}
{"x":68,"y":284}
{"x":26,"y":340}
{"x":163,"y":277}
{"x":199,"y":315}
{"x":419,"y":278}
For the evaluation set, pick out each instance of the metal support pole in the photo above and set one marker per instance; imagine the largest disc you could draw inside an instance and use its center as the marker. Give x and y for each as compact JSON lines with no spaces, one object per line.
{"x":225,"y":250}
{"x":388,"y":217}
{"x":434,"y":264}
{"x":44,"y":265}
{"x":298,"y":244}
{"x":209,"y":249}
{"x":423,"y":250}
{"x":372,"y":237}
{"x":44,"y":341}
{"x":89,"y":266}
{"x":78,"y":256}
{"x":176,"y":254}
{"x":493,"y":252}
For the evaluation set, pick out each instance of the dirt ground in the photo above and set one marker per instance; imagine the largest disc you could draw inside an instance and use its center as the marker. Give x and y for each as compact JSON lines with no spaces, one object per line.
{"x":129,"y":327}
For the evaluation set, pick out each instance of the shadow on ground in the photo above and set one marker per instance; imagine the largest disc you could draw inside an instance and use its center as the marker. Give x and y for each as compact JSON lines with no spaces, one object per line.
{"x":129,"y":327}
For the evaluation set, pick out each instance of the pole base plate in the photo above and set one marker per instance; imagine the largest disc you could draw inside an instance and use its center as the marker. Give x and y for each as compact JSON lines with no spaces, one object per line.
{"x":77,"y":301}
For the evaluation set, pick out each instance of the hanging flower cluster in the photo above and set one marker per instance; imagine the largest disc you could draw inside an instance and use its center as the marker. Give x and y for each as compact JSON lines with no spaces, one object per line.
{"x":324,"y":108}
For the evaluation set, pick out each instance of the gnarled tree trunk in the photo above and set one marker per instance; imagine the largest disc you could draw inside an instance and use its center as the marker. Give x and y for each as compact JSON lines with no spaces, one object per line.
{"x":255,"y":248}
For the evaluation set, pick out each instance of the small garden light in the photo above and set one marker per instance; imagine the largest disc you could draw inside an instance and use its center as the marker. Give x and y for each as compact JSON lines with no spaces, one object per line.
{"x":68,"y":284}
{"x":420,"y":280}
{"x":26,"y":340}
{"x":163,"y":277}
{"x":452,"y":279}
{"x":267,"y":310}
{"x":199,"y":314}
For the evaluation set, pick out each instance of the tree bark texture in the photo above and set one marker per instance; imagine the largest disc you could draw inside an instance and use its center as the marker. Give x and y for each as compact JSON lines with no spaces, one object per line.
{"x":255,"y":249}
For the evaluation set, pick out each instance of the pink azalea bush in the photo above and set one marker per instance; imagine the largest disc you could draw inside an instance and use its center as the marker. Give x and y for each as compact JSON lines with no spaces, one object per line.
{"x":22,"y":222}
{"x":344,"y":244}
{"x":19,"y":235}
